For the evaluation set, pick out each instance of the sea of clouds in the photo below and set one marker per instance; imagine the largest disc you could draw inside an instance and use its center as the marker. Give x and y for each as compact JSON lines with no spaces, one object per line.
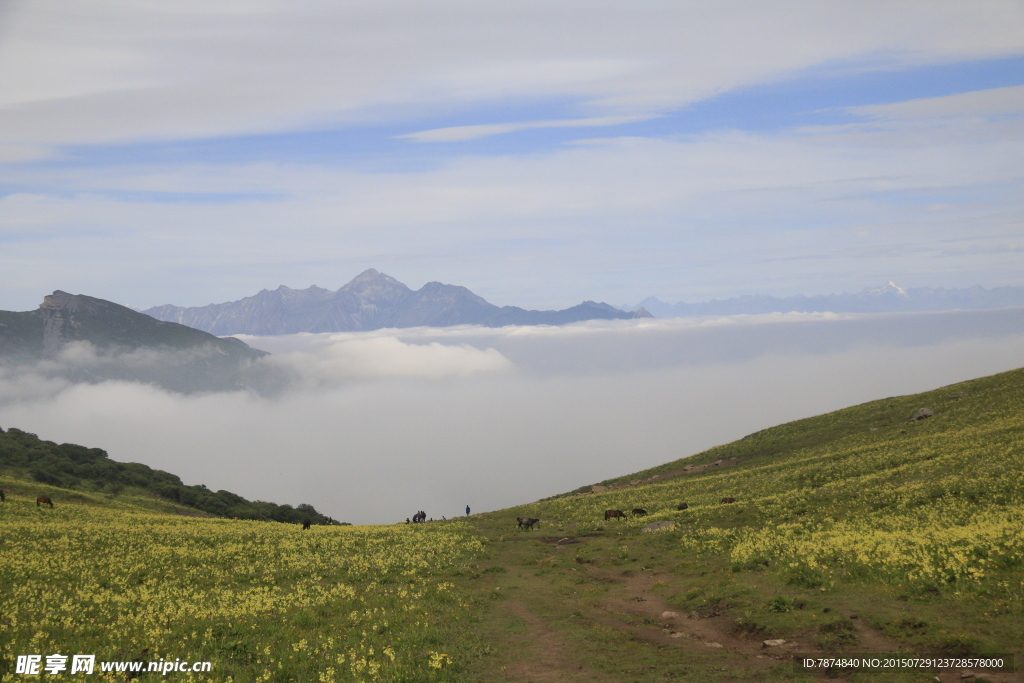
{"x":370,"y":427}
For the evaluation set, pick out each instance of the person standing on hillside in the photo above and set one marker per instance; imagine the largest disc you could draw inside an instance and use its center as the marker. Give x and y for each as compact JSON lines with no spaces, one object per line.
{"x":467,"y":511}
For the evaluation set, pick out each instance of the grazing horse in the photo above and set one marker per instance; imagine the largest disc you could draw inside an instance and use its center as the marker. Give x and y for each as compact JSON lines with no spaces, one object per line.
{"x":527,"y":522}
{"x":682,"y":506}
{"x":639,"y":512}
{"x":728,"y":500}
{"x":2,"y":496}
{"x":608,"y":514}
{"x":306,"y":524}
{"x":44,"y":500}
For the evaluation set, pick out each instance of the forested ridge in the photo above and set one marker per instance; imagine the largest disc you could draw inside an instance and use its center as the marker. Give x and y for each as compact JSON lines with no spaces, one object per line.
{"x":69,"y":465}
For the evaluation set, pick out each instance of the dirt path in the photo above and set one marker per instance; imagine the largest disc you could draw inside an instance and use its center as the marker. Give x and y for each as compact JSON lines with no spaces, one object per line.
{"x":550,"y":659}
{"x":576,"y":609}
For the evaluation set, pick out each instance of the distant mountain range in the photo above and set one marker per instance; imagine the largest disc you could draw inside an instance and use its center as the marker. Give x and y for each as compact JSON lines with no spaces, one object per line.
{"x":371,"y":301}
{"x":126,"y":345}
{"x":886,"y":299}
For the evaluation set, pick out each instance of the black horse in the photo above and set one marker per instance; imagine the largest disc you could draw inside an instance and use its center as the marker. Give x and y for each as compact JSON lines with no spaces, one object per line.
{"x":527,"y":522}
{"x":44,"y":500}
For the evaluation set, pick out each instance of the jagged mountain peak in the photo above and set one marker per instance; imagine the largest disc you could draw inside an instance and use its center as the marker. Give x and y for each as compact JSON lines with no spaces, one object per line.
{"x":371,"y":300}
{"x":371,"y":279}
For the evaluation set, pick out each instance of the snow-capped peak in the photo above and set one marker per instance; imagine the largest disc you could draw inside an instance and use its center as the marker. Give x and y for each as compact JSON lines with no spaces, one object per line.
{"x":889,"y":288}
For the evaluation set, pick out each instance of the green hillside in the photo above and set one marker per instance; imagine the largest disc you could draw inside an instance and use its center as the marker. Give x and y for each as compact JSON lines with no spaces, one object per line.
{"x":26,"y":457}
{"x":859,"y":530}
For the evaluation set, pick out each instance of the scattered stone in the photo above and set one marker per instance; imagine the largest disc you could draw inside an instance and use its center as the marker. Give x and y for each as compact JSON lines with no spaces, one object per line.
{"x":655,"y":476}
{"x":773,"y":643}
{"x":598,"y":489}
{"x":669,"y":615}
{"x":676,"y":634}
{"x":923,"y":414}
{"x":657,"y":527}
{"x":854,"y":615}
{"x":967,"y":674}
{"x":634,"y":482}
{"x":962,"y":394}
{"x":713,"y":645}
{"x":873,"y":429}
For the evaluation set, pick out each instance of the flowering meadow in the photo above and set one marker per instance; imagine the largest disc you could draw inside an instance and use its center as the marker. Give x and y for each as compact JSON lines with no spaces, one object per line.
{"x":864,"y":494}
{"x":262,"y":601}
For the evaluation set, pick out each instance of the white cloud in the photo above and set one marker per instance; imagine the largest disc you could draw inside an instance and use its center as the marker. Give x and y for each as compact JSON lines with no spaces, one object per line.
{"x":334,"y":360}
{"x":586,"y":403}
{"x":718,"y":214}
{"x":994,"y":102}
{"x":120,"y":71}
{"x":462,"y":133}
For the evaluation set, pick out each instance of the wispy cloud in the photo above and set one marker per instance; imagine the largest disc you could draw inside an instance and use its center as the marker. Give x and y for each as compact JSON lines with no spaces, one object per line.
{"x":992,"y":103}
{"x":462,"y":133}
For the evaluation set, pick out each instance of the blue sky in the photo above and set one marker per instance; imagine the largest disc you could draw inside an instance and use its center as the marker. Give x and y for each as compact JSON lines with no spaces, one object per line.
{"x":536,"y":155}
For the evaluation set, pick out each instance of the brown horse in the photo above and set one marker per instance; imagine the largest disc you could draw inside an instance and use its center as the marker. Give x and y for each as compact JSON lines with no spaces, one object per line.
{"x":2,"y":496}
{"x":608,"y":514}
{"x":728,"y":500}
{"x":639,"y":512}
{"x":682,"y":506}
{"x":44,"y":500}
{"x":306,"y":524}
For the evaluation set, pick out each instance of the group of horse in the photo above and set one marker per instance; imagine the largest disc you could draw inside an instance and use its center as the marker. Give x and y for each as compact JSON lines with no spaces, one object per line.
{"x":619,"y":514}
{"x":640,"y":512}
{"x":528,"y":523}
{"x":40,"y":500}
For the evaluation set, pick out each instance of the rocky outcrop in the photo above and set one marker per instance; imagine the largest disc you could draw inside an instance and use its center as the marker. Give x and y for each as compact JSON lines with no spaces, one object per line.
{"x":122,"y":344}
{"x":63,"y":318}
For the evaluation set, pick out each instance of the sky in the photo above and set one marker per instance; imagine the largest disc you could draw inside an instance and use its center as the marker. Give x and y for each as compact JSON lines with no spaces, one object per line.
{"x":538,"y":153}
{"x":373,"y":426}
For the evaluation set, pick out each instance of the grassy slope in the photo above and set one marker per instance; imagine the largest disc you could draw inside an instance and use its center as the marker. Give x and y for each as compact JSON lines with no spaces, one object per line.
{"x":916,"y":528}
